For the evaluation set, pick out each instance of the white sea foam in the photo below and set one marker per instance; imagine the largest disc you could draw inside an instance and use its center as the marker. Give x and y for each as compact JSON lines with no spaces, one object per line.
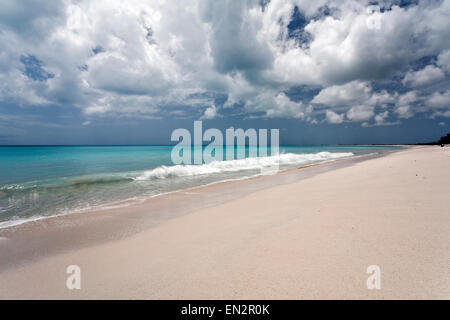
{"x":239,"y":165}
{"x":17,"y":221}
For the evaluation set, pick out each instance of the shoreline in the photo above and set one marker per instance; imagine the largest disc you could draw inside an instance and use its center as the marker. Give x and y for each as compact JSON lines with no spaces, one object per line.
{"x":307,"y":234}
{"x":120,"y":219}
{"x":140,"y":199}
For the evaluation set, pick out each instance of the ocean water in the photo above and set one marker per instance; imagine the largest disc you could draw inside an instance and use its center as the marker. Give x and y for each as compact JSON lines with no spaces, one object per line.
{"x":42,"y":181}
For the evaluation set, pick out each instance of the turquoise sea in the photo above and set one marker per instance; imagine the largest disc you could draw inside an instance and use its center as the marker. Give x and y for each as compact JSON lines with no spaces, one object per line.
{"x":40,"y":181}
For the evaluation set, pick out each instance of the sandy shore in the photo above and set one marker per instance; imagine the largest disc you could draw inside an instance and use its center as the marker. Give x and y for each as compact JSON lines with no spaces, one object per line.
{"x":309,"y":238}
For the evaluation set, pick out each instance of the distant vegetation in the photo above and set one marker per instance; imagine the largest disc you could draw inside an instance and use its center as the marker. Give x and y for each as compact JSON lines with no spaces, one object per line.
{"x":442,"y":140}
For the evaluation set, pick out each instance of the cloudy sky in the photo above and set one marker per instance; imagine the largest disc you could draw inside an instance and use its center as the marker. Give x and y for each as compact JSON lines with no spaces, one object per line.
{"x":129,"y":72}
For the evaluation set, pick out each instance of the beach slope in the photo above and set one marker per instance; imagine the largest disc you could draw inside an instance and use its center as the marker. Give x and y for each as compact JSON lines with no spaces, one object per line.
{"x":310,"y":239}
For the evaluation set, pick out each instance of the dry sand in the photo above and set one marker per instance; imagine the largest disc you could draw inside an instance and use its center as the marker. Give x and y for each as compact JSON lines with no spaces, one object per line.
{"x":312,"y":238}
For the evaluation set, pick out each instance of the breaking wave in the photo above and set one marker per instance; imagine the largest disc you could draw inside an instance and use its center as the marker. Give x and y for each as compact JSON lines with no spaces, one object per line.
{"x":256,"y":163}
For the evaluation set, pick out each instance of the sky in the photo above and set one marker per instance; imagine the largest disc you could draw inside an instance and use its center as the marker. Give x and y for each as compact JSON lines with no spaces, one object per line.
{"x":130,"y":72}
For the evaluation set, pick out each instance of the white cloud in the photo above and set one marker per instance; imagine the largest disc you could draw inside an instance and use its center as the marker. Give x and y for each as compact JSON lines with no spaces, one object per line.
{"x":274,"y":105}
{"x":404,"y":112}
{"x":380,"y":120}
{"x":346,"y":48}
{"x":444,"y":60}
{"x":428,"y":75}
{"x":440,"y":100}
{"x":404,"y":105}
{"x":285,"y":107}
{"x":355,"y":98}
{"x":210,"y":113}
{"x":445,"y":114}
{"x":360,"y":113}
{"x":350,"y":93}
{"x":333,"y":117}
{"x":381,"y":117}
{"x":153,"y":54}
{"x":407,"y":98}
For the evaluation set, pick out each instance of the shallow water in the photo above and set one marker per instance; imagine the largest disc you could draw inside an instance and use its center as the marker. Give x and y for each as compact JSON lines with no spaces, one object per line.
{"x":44,"y":181}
